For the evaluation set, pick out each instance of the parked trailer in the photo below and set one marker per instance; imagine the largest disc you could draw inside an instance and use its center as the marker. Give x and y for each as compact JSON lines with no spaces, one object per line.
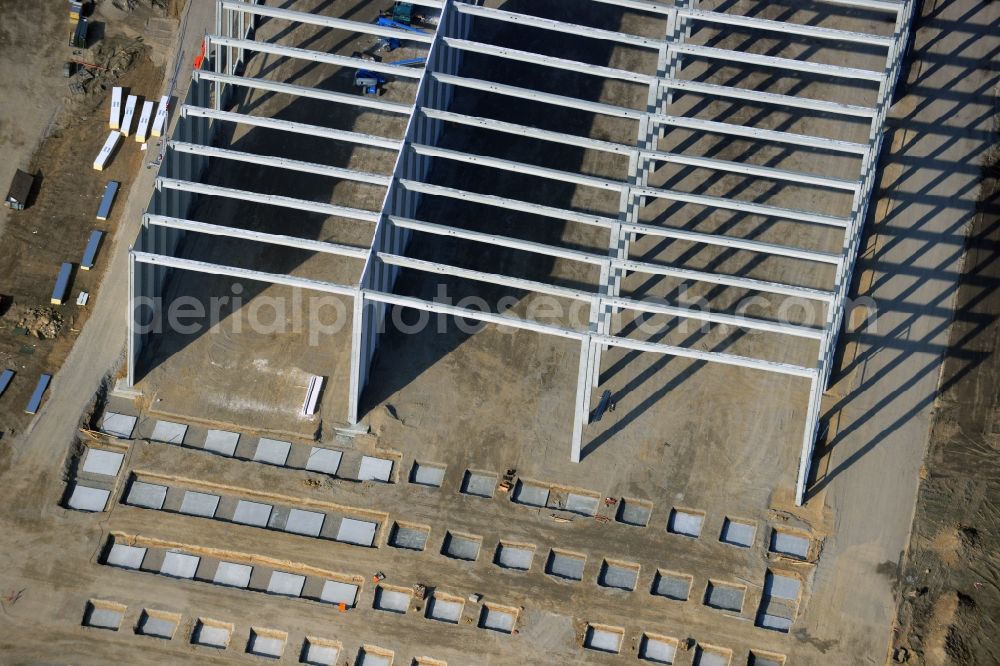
{"x":110,"y":190}
{"x":36,"y":398}
{"x":90,"y":254}
{"x":62,"y":284}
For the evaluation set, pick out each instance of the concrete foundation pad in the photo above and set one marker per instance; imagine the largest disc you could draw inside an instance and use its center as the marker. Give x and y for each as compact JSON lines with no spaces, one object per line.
{"x":156,"y":626}
{"x":657,"y":650}
{"x":233,"y":575}
{"x":85,"y":498}
{"x":127,"y":557}
{"x":479,"y":484}
{"x":169,"y":432}
{"x":427,"y":475}
{"x":461,"y":547}
{"x":149,"y":495}
{"x":367,"y":658}
{"x":359,"y":532}
{"x":211,"y":635}
{"x":319,"y":654}
{"x":265,"y":645}
{"x":323,"y":460}
{"x":393,"y":601}
{"x":106,"y":463}
{"x":287,"y":584}
{"x":445,"y":610}
{"x":531,"y":495}
{"x":252,"y":513}
{"x":603,"y":640}
{"x":103,"y":617}
{"x":410,"y":538}
{"x":497,"y":619}
{"x":119,"y":425}
{"x":568,"y":566}
{"x":514,"y":557}
{"x":199,"y":504}
{"x":272,"y":451}
{"x":222,"y":441}
{"x":375,"y":469}
{"x":179,"y":565}
{"x":305,"y":522}
{"x":685,"y":523}
{"x":335,"y":592}
{"x":737,"y":533}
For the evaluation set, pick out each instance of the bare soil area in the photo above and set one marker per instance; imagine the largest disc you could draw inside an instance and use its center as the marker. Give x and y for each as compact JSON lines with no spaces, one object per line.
{"x":950,"y":609}
{"x":35,"y":337}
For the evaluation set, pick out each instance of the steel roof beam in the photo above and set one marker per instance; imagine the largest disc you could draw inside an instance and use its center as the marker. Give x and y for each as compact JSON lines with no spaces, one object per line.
{"x":268,"y":199}
{"x":744,"y":207}
{"x":324,"y":21}
{"x":757,"y":134}
{"x":280,"y":163}
{"x":744,"y":57}
{"x":368,"y":140}
{"x":769,"y":173}
{"x":367,"y":102}
{"x":257,"y":236}
{"x":823,"y":106}
{"x":607,"y":223}
{"x":243,"y":273}
{"x":314,"y":56}
{"x":784,"y":27}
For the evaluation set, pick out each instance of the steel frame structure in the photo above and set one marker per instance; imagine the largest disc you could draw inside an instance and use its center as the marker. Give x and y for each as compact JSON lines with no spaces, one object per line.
{"x":397,"y":221}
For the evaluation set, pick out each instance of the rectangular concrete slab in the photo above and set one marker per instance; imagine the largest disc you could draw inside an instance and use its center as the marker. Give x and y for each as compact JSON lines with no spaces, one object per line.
{"x":232,"y":574}
{"x":565,"y":565}
{"x":336,"y":592}
{"x":657,"y":650}
{"x":618,"y":576}
{"x":497,"y":619}
{"x":765,"y":660}
{"x":119,"y":425}
{"x":789,"y":544}
{"x":737,"y":533}
{"x":393,"y":601}
{"x":530,"y":495}
{"x":156,"y":626}
{"x":326,"y":461}
{"x":199,"y":504}
{"x":603,"y":640}
{"x":252,"y":513}
{"x":85,"y":498}
{"x":309,"y":523}
{"x":633,"y":513}
{"x":179,"y":565}
{"x":169,"y":432}
{"x":445,"y":610}
{"x":459,"y":547}
{"x":222,"y":441}
{"x":427,"y":475}
{"x":358,"y":532}
{"x":366,"y":658}
{"x":410,"y":538}
{"x":265,"y":645}
{"x":585,"y":505}
{"x":514,"y":557}
{"x":272,"y":451}
{"x":724,"y":597}
{"x":671,"y":586}
{"x":106,"y":463}
{"x":210,"y":635}
{"x":781,"y":587}
{"x":103,"y":617}
{"x":375,"y":469}
{"x":127,"y":557}
{"x":685,"y":523}
{"x":149,"y":495}
{"x":703,"y":657}
{"x":479,"y":484}
{"x":287,"y":584}
{"x":319,"y":654}
{"x":774,"y":622}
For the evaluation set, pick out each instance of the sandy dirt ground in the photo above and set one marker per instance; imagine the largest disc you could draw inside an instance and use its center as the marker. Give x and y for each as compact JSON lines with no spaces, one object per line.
{"x":35,"y":337}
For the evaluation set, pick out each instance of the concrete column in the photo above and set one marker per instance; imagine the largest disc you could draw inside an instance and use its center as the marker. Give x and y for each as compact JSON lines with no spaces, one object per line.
{"x":582,"y":399}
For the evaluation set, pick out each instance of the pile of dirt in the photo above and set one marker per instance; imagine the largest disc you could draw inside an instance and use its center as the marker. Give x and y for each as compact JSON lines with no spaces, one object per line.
{"x":111,"y":59}
{"x":42,"y":322}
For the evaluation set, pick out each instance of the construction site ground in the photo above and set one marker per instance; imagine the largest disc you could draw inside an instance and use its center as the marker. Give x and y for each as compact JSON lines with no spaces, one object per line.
{"x":711,"y":440}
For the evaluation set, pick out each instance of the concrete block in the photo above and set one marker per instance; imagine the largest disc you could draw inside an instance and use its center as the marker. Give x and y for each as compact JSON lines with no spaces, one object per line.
{"x":479,"y":484}
{"x":603,"y":640}
{"x":514,"y":557}
{"x":530,"y":494}
{"x":712,"y":657}
{"x":320,"y":653}
{"x":233,"y":575}
{"x":497,"y":619}
{"x":149,"y":495}
{"x":427,"y":475}
{"x":568,"y":566}
{"x":671,"y":586}
{"x":126,"y":557}
{"x":119,"y":425}
{"x":782,"y":587}
{"x":309,"y":523}
{"x":199,"y":504}
{"x":367,"y":657}
{"x":393,"y":601}
{"x":266,"y":643}
{"x":724,"y":597}
{"x":686,"y":523}
{"x":252,"y":513}
{"x":326,"y":461}
{"x":657,"y":650}
{"x":103,"y":616}
{"x":358,"y":532}
{"x":335,"y":592}
{"x":445,"y":609}
{"x":179,"y":565}
{"x":375,"y":469}
{"x":760,"y":659}
{"x":287,"y":584}
{"x":157,"y":626}
{"x":461,"y":547}
{"x":85,"y":498}
{"x":632,"y":512}
{"x":222,"y":442}
{"x":212,"y":634}
{"x":272,"y":451}
{"x":585,"y":505}
{"x":106,"y":463}
{"x":410,"y":538}
{"x":737,"y":533}
{"x":792,"y":545}
{"x":619,"y":576}
{"x":169,"y":432}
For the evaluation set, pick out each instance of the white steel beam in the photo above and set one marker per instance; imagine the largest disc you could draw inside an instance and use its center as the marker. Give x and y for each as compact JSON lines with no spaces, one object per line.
{"x":608,"y":223}
{"x":244,"y":273}
{"x":784,"y":27}
{"x":874,"y":5}
{"x":743,"y":206}
{"x":823,"y":106}
{"x":289,"y":126}
{"x":537,"y":96}
{"x":257,"y":236}
{"x":367,"y":101}
{"x":268,"y":199}
{"x":548,"y":61}
{"x":324,"y":21}
{"x":533,"y":132}
{"x":757,"y":134}
{"x":280,"y":163}
{"x":558,"y":26}
{"x":744,"y":57}
{"x":315,"y":56}
{"x":769,"y":173}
